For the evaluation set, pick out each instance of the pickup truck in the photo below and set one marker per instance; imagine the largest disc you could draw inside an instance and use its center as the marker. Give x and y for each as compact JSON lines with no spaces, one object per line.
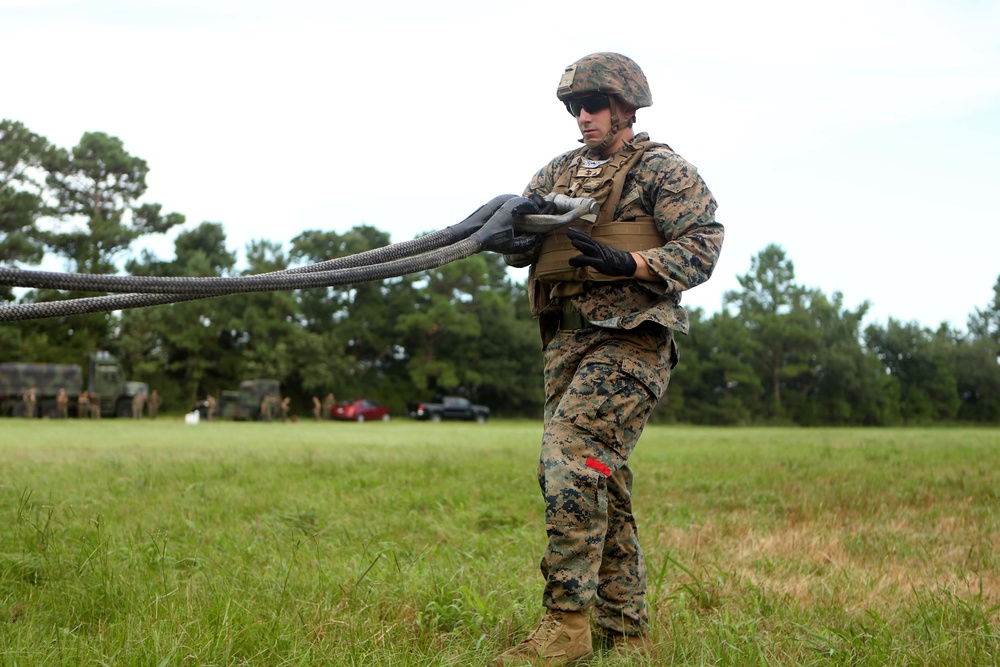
{"x":449,"y":407}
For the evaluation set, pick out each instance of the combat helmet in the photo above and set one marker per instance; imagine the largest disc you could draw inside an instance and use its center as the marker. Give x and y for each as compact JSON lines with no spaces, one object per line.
{"x":608,"y":73}
{"x":611,"y":74}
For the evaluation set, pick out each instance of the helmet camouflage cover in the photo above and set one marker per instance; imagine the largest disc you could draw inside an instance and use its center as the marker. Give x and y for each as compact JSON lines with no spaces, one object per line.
{"x":608,"y":73}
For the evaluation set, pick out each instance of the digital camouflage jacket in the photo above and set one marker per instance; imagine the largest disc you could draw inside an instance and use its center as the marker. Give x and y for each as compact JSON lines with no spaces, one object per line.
{"x":665,"y":186}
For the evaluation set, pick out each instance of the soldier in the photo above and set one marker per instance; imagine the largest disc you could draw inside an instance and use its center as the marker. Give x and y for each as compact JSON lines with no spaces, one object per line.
{"x":95,"y":405}
{"x":265,"y":408}
{"x":328,"y":404}
{"x":317,"y":408}
{"x":286,"y":407}
{"x":607,"y":299}
{"x":138,"y":402}
{"x":153,"y":403}
{"x":62,"y":404}
{"x":210,"y":405}
{"x":30,"y":398}
{"x":83,"y":405}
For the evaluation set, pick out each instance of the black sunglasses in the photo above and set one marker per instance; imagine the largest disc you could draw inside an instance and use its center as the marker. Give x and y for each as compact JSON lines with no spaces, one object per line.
{"x":592,"y":103}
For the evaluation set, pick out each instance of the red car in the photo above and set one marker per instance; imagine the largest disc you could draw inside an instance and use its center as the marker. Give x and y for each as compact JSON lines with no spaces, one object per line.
{"x":360,"y":410}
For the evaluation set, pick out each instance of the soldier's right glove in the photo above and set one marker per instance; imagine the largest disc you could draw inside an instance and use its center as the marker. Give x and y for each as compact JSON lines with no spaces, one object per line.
{"x":527,"y":255}
{"x":498,"y":234}
{"x":530,"y":244}
{"x":545,"y":207}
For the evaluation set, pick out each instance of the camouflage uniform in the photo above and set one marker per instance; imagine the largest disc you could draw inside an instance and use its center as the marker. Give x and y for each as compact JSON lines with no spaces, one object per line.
{"x":138,"y":402}
{"x":62,"y":404}
{"x":83,"y":405}
{"x":328,"y":404}
{"x":608,"y":351}
{"x":153,"y":403}
{"x":30,"y":403}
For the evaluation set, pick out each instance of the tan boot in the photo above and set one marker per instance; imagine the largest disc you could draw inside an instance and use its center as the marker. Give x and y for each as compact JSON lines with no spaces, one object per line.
{"x":562,"y":638}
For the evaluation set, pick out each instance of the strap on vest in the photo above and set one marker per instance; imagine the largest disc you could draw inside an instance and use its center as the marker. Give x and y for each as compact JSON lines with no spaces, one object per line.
{"x":551,"y":275}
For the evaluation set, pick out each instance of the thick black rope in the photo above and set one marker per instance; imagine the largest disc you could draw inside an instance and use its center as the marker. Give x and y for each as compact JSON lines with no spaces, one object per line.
{"x":209,"y":287}
{"x":490,"y":227}
{"x":218,"y":286}
{"x":99,"y":304}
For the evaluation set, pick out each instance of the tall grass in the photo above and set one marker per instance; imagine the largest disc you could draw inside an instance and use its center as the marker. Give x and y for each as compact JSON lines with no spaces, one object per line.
{"x":159,"y":543}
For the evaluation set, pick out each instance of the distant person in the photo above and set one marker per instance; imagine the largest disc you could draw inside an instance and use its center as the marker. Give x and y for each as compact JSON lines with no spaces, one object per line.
{"x":30,"y":399}
{"x":138,"y":402}
{"x":286,"y":408}
{"x":328,"y":404}
{"x":62,"y":404}
{"x":210,"y":406}
{"x":317,"y":408}
{"x":153,"y":403}
{"x":83,"y":405}
{"x":265,"y":408}
{"x":95,"y":405}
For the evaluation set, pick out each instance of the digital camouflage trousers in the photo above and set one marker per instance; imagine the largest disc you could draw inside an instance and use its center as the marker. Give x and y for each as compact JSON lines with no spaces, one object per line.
{"x":601,"y":386}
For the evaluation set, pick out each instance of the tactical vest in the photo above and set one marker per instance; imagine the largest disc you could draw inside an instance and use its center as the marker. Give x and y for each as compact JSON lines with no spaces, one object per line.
{"x":605,"y":184}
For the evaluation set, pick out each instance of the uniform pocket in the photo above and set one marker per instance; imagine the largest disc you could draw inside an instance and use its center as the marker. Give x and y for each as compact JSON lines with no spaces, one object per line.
{"x":613,"y":406}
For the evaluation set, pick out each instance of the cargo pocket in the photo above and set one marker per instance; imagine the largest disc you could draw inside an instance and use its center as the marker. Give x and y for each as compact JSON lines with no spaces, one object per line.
{"x":615,"y":410}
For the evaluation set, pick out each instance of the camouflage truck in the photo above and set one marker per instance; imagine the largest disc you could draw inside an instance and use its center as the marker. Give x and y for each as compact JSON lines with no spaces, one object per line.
{"x":230,"y":406}
{"x":242,"y":405}
{"x":47,"y":379}
{"x":104,"y":378}
{"x":252,"y":393}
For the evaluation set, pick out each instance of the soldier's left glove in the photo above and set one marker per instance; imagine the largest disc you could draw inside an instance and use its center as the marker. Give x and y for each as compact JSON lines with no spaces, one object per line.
{"x":600,"y":256}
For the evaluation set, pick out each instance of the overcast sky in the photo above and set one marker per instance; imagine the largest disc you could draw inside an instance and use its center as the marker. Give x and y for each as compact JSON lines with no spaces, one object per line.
{"x":863,"y":136}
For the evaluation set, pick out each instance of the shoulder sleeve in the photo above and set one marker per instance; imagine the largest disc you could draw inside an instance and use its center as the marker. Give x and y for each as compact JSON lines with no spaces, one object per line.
{"x":684,"y":212}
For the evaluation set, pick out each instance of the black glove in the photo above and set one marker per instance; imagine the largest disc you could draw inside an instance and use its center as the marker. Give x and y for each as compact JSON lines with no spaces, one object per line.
{"x":601,"y":257}
{"x":544,"y":207}
{"x":524,"y":250}
{"x":498,"y":234}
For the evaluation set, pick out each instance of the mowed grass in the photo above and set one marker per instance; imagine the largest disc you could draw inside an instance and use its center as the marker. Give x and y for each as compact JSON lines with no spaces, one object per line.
{"x":403,"y":543}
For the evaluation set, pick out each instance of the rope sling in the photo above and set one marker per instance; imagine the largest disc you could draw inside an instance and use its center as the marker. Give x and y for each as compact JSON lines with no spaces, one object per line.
{"x":505,"y":224}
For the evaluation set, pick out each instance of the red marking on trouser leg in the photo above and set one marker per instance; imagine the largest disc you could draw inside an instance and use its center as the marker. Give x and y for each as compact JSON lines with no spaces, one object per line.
{"x":599,"y":467}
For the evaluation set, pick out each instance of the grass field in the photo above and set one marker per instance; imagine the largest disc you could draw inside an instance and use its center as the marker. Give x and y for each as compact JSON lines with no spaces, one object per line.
{"x":160,"y":543}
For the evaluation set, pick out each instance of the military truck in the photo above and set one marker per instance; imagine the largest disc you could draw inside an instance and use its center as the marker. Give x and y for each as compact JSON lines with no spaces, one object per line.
{"x":104,"y":378}
{"x":252,"y":393}
{"x":242,"y":405}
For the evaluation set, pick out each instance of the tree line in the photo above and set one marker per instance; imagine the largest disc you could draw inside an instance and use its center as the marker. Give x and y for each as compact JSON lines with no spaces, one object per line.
{"x":777,"y":352}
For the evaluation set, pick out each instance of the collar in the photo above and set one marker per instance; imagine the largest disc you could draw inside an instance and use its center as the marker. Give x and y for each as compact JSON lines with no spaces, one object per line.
{"x":630,"y":145}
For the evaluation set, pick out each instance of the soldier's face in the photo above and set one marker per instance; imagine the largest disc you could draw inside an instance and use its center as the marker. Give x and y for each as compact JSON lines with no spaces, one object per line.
{"x":595,"y":126}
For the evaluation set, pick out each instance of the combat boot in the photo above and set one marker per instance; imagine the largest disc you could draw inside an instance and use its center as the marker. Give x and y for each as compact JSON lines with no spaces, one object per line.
{"x":562,"y":638}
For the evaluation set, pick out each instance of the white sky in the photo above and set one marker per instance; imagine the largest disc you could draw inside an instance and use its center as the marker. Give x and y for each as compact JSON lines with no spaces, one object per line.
{"x":863,"y":136}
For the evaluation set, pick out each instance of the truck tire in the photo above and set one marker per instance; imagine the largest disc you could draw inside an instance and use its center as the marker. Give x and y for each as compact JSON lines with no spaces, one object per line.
{"x":123,"y":409}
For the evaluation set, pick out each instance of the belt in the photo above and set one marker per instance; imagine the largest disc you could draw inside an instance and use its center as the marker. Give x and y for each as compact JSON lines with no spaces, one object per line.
{"x":571,"y":319}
